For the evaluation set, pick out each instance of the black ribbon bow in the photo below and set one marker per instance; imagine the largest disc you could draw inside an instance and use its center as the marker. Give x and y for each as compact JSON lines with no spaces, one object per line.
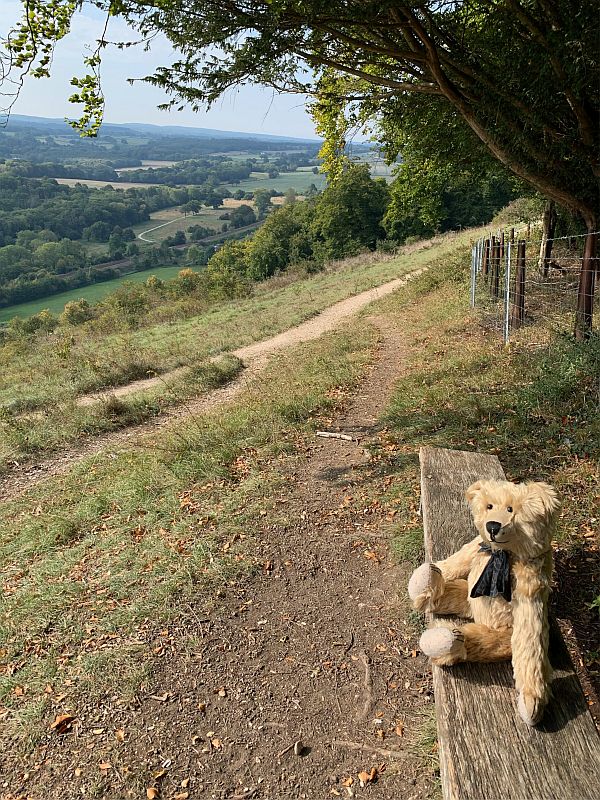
{"x":495,"y":578}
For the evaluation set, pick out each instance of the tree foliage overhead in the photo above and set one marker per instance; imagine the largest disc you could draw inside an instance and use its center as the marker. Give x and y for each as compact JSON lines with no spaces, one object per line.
{"x":520,"y":75}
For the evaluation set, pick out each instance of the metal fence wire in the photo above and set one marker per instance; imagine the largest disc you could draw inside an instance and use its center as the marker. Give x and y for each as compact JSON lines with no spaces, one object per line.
{"x":516,"y":285}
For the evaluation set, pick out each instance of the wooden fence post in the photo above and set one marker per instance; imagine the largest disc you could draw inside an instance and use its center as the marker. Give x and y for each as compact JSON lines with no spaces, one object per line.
{"x":517,"y":315}
{"x":495,"y":269}
{"x":485,"y":259}
{"x":585,"y":295}
{"x":512,"y":236}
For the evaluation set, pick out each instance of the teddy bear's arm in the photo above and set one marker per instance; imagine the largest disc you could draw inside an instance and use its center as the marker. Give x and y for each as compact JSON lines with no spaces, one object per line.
{"x":531,"y":666}
{"x":458,"y":564}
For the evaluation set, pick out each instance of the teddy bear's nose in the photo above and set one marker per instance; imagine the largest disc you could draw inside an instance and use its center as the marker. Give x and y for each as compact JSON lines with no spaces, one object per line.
{"x":493,"y":528}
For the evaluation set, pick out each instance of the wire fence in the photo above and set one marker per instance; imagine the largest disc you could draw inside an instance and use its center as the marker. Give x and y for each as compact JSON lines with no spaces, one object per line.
{"x":537,"y":288}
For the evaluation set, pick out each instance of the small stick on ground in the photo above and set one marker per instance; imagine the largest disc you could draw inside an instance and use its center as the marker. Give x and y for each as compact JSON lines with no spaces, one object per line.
{"x":332,"y":435}
{"x":368,"y":685}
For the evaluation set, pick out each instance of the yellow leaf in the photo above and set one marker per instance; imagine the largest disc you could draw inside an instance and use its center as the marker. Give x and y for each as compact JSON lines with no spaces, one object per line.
{"x":120,"y":735}
{"x":152,"y":793}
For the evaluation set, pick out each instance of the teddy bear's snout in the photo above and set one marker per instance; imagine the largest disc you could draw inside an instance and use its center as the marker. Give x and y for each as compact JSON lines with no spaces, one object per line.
{"x":493,"y":528}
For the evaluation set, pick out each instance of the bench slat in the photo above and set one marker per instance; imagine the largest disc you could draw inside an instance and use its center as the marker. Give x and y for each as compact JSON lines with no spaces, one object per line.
{"x":486,"y":751}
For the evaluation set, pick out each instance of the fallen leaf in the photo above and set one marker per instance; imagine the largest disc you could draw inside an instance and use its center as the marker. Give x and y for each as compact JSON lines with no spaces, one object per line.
{"x":120,"y":735}
{"x":202,"y":708}
{"x":348,"y":782}
{"x":216,"y":743}
{"x":62,"y":723}
{"x":77,"y":772}
{"x":152,"y":793}
{"x":367,"y":777}
{"x":104,"y":766}
{"x":160,"y":697}
{"x":160,"y":774}
{"x":19,"y":691}
{"x":181,"y":796}
{"x":185,"y":783}
{"x":98,"y":731}
{"x":399,"y":729}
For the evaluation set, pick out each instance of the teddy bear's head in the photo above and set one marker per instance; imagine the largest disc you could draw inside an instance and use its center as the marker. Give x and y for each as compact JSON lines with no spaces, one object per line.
{"x":517,"y":517}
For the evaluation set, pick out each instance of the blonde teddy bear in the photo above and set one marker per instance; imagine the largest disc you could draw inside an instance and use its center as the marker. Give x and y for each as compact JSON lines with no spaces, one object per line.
{"x":500,"y":580}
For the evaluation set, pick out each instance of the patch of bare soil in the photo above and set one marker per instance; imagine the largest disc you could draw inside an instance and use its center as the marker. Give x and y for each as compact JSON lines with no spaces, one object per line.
{"x":302,"y":682}
{"x":254,"y":356}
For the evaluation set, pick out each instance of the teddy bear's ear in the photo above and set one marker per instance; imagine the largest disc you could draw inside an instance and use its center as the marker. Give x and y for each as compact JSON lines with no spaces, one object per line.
{"x":541,"y":499}
{"x":471,"y":492}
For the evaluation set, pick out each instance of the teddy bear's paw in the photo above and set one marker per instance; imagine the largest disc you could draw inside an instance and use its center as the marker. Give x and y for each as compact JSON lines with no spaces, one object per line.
{"x":531,"y":709}
{"x":443,"y":646}
{"x":425,"y":585}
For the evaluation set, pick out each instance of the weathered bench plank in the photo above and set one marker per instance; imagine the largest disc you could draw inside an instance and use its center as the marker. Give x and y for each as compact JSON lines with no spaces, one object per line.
{"x":486,"y":751}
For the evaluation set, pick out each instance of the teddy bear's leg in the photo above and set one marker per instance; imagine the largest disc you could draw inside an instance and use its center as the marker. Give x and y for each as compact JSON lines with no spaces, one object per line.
{"x":483,"y":643}
{"x":429,"y":591}
{"x":471,"y":642}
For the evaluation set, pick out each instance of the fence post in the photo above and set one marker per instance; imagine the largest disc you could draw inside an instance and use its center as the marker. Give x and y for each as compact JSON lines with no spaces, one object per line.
{"x":473,"y":274}
{"x":495,"y":264}
{"x":507,"y":295}
{"x":512,"y":235}
{"x":585,"y":294}
{"x":518,"y":304}
{"x":485,"y":265}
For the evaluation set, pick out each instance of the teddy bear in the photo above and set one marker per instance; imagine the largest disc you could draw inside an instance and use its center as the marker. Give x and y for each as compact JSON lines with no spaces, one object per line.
{"x":501,"y":581}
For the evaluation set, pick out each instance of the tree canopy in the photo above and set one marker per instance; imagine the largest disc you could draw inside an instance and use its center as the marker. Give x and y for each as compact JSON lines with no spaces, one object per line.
{"x":519,"y":76}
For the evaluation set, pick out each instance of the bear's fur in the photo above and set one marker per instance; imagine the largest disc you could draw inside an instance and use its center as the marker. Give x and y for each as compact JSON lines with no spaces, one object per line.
{"x":516,"y":518}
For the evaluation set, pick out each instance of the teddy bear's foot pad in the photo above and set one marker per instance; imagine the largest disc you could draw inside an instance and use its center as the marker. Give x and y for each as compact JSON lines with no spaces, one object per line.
{"x":443,"y":646}
{"x":530,"y":709}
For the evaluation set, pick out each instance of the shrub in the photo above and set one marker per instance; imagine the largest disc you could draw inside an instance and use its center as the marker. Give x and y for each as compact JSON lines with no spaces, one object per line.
{"x":76,"y":312}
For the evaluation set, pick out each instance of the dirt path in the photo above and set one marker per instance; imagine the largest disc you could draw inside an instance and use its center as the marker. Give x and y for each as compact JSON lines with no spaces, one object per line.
{"x":24,"y":476}
{"x":311,"y":329}
{"x":314,"y":651}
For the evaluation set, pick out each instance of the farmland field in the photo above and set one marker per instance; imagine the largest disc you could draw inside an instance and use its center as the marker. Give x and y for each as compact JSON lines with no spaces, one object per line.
{"x":299,"y":180}
{"x":93,"y":293}
{"x":173,"y":220}
{"x":102,"y":184}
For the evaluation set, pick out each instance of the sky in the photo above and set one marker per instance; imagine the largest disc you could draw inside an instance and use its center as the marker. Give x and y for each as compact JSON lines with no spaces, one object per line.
{"x":249,"y":109}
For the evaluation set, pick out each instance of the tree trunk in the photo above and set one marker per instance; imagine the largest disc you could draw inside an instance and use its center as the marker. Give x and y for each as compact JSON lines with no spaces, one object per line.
{"x":585,"y":295}
{"x":548,"y":229}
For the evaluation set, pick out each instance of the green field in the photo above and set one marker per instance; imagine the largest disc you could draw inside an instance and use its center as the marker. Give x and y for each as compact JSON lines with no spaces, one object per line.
{"x":93,"y":293}
{"x":299,"y":180}
{"x":208,"y":218}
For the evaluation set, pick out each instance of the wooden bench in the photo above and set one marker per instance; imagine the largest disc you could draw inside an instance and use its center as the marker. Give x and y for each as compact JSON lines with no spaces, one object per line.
{"x":486,"y":751}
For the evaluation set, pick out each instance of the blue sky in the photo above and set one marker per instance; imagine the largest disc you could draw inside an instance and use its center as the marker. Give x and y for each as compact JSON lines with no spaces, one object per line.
{"x":250,"y":108}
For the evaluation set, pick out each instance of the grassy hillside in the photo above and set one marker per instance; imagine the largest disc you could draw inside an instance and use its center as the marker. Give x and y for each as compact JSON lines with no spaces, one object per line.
{"x":100,"y":562}
{"x":48,"y":374}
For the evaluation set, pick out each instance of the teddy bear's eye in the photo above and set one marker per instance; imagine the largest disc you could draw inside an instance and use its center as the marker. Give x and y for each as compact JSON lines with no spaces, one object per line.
{"x":489,"y":506}
{"x":509,"y":509}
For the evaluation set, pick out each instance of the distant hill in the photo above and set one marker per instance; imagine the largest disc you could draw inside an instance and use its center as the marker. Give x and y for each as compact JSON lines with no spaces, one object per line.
{"x":133,"y":128}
